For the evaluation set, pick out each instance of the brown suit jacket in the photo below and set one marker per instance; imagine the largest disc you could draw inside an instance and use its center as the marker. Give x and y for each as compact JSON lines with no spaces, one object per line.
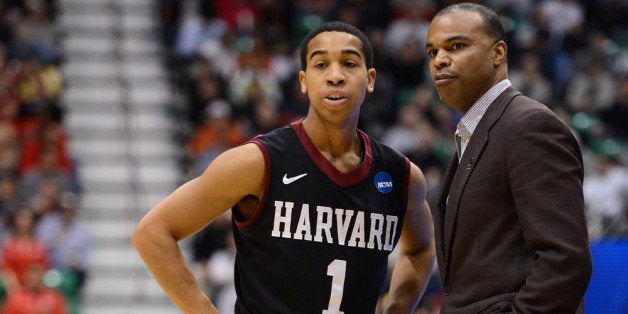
{"x":510,"y":227}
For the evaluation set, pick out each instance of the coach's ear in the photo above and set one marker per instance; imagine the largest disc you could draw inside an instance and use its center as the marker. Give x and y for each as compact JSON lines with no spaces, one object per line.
{"x":500,"y":51}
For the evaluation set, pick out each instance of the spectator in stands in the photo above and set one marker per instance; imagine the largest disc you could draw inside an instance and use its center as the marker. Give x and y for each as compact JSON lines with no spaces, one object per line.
{"x":592,"y":90}
{"x":9,"y":69}
{"x":561,"y":17}
{"x":218,"y":133}
{"x":307,"y":14}
{"x":530,"y":80}
{"x":68,"y":243}
{"x":44,"y":135}
{"x":22,"y":250}
{"x":212,"y":240}
{"x":35,"y":297}
{"x":253,"y":80}
{"x":409,"y":25}
{"x":405,"y":135}
{"x":47,"y":169}
{"x":206,"y":86}
{"x":10,"y":202}
{"x":559,"y":22}
{"x":39,"y":84}
{"x":606,"y":197}
{"x":295,"y":104}
{"x":222,"y":55}
{"x":9,"y":146}
{"x":197,"y":28}
{"x":266,"y":117}
{"x":240,"y":15}
{"x":37,"y":30}
{"x":382,"y":104}
{"x":220,"y":274}
{"x":615,"y":117}
{"x":45,"y":200}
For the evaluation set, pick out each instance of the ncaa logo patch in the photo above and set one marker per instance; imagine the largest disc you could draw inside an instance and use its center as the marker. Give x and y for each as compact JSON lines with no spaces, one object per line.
{"x":383,"y":182}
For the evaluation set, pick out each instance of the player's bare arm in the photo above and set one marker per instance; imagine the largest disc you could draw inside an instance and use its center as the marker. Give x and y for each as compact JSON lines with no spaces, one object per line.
{"x":233,"y":175}
{"x":413,"y":268}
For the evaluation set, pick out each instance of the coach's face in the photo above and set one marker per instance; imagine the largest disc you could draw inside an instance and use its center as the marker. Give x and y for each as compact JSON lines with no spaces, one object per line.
{"x":465,"y":61}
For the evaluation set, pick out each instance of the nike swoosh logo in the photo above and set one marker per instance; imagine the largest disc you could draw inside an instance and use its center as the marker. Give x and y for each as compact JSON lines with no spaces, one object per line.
{"x":287,"y":180}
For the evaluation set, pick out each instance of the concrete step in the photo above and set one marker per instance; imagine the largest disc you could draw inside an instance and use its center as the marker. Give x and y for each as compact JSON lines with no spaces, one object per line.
{"x":131,"y":266}
{"x":134,"y":19}
{"x":137,"y":148}
{"x":150,"y":68}
{"x":121,"y":205}
{"x":121,"y":256}
{"x":116,"y":173}
{"x":88,"y":147}
{"x":141,"y":148}
{"x":88,"y":5}
{"x":124,"y":47}
{"x":89,"y":82}
{"x":118,"y":103}
{"x":124,"y":172}
{"x":126,"y":289}
{"x":113,"y":305}
{"x":143,"y":187}
{"x":82,"y":81}
{"x":152,"y":192}
{"x":108,"y":206}
{"x":101,"y":68}
{"x":90,"y":17}
{"x":152,"y":118}
{"x":96,"y":121}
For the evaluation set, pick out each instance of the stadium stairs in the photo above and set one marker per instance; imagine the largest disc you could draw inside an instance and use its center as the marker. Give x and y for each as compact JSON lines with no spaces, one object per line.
{"x":119,"y":116}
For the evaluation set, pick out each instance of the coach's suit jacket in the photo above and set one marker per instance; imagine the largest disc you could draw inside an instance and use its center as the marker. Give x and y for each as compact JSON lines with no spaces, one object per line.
{"x":510,"y":228}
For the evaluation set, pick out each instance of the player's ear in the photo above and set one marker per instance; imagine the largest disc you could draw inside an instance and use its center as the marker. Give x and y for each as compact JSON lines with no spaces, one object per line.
{"x":302,"y":81}
{"x":370,"y":83}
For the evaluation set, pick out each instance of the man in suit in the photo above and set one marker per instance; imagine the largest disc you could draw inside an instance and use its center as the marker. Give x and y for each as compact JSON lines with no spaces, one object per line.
{"x":510,"y":227}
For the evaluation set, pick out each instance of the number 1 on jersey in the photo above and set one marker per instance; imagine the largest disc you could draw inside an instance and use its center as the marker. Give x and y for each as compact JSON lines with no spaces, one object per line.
{"x":337,"y":270}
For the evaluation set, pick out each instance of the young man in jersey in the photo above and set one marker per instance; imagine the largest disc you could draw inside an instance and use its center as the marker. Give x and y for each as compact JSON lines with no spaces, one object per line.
{"x":317,"y":205}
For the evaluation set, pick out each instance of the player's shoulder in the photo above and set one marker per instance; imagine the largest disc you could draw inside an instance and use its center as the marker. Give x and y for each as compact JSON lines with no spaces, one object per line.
{"x":279,"y":137}
{"x":243,"y":156}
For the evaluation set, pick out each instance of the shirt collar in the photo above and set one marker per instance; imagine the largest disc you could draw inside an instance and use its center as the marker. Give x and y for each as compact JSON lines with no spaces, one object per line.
{"x":472,"y":118}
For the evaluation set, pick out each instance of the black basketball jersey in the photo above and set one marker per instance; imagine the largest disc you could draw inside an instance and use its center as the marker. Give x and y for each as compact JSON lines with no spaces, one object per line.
{"x":320,"y":241}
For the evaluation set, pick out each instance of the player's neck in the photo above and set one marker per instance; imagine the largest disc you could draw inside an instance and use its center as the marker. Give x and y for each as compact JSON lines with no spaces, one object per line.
{"x":342,"y":146}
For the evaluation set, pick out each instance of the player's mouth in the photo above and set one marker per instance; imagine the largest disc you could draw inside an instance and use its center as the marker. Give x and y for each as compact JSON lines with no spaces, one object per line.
{"x":335,"y":99}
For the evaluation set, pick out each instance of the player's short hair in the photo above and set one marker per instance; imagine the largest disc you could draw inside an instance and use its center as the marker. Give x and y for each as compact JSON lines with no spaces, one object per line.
{"x":336,"y":26}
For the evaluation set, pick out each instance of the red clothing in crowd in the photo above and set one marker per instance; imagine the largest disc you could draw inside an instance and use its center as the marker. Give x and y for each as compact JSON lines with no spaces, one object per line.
{"x":19,"y":254}
{"x":47,"y":301}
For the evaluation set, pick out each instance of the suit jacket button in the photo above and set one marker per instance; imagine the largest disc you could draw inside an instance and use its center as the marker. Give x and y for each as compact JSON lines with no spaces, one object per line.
{"x":446,"y":290}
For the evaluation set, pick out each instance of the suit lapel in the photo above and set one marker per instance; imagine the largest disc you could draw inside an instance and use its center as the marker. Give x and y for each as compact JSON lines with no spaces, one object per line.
{"x":439,"y":215}
{"x":471,"y":157}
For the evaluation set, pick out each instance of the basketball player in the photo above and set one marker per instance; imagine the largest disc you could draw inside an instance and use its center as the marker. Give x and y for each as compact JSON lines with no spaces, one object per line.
{"x":317,"y":205}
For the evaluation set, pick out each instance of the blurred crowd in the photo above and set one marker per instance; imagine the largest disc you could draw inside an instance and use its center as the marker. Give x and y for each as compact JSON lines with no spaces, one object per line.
{"x":43,"y":247}
{"x":234,"y":64}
